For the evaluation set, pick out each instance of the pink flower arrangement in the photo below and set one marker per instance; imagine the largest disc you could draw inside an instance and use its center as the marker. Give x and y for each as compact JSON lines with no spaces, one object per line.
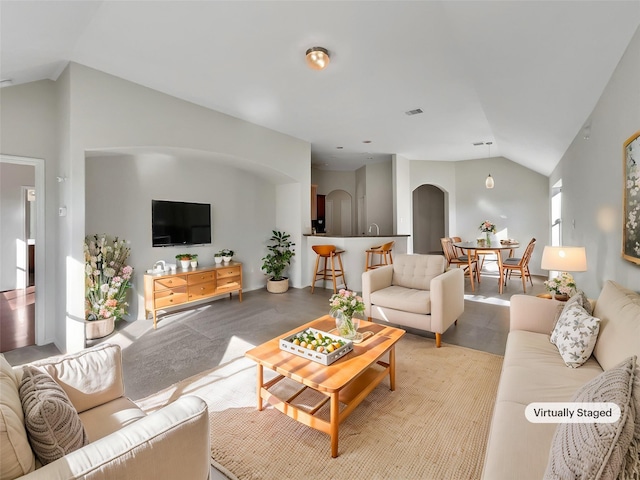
{"x":488,"y":227}
{"x":346,"y":301}
{"x":106,"y":277}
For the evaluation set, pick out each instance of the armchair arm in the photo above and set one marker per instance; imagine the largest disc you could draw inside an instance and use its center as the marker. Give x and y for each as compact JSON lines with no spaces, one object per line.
{"x":172,"y":443}
{"x":90,"y":377}
{"x":533,"y":314}
{"x":447,"y":299}
{"x":373,"y":280}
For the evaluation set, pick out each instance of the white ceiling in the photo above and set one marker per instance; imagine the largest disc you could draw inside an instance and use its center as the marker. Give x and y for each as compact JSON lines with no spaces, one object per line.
{"x":522,"y":74}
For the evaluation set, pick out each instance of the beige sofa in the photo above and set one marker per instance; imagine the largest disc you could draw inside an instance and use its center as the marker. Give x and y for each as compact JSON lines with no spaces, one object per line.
{"x":124,"y":443}
{"x":417,"y":292}
{"x":533,"y":371}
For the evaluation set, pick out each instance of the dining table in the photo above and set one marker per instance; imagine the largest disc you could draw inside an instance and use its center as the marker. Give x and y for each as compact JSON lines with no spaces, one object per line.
{"x":473,"y":247}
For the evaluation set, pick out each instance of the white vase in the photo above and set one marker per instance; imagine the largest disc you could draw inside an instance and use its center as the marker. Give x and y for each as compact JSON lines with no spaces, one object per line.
{"x":218,"y":259}
{"x":226,"y":259}
{"x":194,"y":263}
{"x":185,"y":264}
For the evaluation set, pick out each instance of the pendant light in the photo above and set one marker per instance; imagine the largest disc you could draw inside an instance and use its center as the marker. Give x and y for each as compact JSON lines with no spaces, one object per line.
{"x":489,"y":183}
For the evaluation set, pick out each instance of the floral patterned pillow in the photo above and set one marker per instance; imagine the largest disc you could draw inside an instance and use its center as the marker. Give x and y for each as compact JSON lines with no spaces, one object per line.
{"x":575,"y":335}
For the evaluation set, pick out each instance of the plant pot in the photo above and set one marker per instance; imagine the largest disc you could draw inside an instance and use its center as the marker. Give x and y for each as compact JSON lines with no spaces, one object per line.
{"x":217,"y":259}
{"x":226,"y":259}
{"x":278,"y":286}
{"x":194,"y":263}
{"x":561,"y":297}
{"x":99,"y":328}
{"x":185,"y":264}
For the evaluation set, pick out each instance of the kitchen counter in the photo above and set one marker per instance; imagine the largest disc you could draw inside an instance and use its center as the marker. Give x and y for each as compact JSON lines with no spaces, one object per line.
{"x":354,"y":256}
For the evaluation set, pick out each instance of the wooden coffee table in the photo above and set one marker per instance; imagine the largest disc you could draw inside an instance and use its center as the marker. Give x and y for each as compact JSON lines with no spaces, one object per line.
{"x":348,"y":380}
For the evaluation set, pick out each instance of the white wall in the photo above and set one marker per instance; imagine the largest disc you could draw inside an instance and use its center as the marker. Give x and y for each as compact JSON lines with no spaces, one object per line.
{"x":379,"y":203}
{"x":12,"y":222}
{"x":242,"y":210}
{"x":592,"y":178}
{"x":29,"y":128}
{"x":518,"y":204}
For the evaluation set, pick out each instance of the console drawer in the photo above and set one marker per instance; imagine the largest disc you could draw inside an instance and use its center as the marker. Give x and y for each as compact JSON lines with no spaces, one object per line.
{"x":169,"y":282}
{"x":228,"y":272}
{"x":195,"y":278}
{"x":229,"y":283}
{"x":201,"y":290}
{"x":167,"y":298}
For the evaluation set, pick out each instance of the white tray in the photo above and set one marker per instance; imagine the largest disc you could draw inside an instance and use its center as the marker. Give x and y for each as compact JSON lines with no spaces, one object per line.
{"x":323,"y":358}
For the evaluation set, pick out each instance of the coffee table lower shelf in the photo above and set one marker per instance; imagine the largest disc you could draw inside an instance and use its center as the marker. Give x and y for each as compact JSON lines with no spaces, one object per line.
{"x":350,"y":396}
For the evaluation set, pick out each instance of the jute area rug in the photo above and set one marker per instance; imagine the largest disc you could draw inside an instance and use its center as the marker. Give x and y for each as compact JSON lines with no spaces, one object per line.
{"x":433,"y":426}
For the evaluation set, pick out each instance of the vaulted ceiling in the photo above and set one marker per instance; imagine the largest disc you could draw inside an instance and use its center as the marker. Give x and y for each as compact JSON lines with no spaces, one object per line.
{"x":524,"y":75}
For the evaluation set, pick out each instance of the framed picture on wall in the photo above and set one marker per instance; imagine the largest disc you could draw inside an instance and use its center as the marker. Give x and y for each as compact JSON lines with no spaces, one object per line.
{"x":631,"y":200}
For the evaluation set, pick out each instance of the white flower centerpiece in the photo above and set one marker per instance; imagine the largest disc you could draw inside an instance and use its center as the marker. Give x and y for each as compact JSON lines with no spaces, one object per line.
{"x":107,"y":279}
{"x":345,"y":306}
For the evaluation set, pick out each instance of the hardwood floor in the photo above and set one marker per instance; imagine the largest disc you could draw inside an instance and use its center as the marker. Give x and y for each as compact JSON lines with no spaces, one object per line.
{"x":17,"y":319}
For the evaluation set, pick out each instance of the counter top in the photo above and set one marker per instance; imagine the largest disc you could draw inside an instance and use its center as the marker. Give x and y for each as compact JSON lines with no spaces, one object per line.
{"x":324,"y":235}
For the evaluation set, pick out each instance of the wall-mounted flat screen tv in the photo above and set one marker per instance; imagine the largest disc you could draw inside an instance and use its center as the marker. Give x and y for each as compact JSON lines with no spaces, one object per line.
{"x":180,"y":223}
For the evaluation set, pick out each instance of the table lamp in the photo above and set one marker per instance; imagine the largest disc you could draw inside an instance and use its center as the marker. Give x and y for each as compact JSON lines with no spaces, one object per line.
{"x":564,"y":260}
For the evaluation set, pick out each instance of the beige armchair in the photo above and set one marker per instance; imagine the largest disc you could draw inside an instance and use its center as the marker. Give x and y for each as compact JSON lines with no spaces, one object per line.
{"x":123,"y":442}
{"x":417,"y":292}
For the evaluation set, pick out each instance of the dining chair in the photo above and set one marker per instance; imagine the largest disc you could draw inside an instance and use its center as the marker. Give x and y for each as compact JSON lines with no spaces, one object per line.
{"x":519,"y":265}
{"x":470,"y":264}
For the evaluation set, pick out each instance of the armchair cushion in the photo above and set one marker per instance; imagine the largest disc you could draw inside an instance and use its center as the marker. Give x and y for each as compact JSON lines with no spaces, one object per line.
{"x":405,"y":299}
{"x":53,"y":425}
{"x":417,"y":271}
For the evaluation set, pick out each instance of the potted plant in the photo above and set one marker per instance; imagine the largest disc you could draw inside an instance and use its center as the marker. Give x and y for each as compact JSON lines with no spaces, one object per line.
{"x":184,"y":259}
{"x":217,"y":257}
{"x":277,"y":260}
{"x":226,"y":254}
{"x":194,"y":260}
{"x":107,"y":279}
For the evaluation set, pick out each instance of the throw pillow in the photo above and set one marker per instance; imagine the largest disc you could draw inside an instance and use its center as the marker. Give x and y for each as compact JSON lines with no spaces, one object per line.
{"x":53,"y":425}
{"x":578,"y":298}
{"x":575,"y":335}
{"x":597,"y":450}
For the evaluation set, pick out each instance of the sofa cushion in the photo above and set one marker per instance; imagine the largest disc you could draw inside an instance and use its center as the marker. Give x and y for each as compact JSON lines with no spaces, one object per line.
{"x":581,"y":299}
{"x":417,"y":271}
{"x":575,"y":335}
{"x":16,"y":456}
{"x":405,"y":299}
{"x":619,"y":312}
{"x":53,"y":425}
{"x":89,"y":377}
{"x":105,"y":419}
{"x":597,"y":450}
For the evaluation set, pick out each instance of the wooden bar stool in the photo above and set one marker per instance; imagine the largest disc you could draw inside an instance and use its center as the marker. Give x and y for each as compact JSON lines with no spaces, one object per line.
{"x":328,"y":252}
{"x":384,"y":256}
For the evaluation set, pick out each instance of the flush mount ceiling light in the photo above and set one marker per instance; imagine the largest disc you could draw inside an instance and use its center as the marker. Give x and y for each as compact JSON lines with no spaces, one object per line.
{"x":318,"y":58}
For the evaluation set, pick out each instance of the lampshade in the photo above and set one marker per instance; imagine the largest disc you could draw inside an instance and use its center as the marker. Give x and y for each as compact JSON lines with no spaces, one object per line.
{"x":564,"y":259}
{"x":318,"y":58}
{"x":489,"y":183}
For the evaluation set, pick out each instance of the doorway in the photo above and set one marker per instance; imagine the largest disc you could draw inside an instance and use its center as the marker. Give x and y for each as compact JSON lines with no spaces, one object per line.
{"x":428,"y":219}
{"x":338,"y":213}
{"x":21,"y":252}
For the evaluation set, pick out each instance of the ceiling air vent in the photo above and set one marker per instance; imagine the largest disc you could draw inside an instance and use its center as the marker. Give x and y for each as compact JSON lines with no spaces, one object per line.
{"x":414,"y":112}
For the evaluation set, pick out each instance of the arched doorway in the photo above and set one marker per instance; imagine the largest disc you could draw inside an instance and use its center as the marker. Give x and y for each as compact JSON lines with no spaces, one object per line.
{"x":428,"y":219}
{"x":338,"y":206}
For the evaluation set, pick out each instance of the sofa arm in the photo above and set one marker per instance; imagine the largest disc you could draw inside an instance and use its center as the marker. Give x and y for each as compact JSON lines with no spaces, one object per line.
{"x":90,"y":377}
{"x":374,"y":280}
{"x":172,"y":443}
{"x":533,"y":314}
{"x":447,"y":299}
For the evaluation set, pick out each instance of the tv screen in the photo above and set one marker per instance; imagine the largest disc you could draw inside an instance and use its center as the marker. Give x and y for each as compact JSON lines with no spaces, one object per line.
{"x":180,"y":223}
